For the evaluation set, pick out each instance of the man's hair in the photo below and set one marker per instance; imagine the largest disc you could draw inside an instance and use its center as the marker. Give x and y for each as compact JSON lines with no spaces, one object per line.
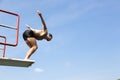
{"x":51,"y":35}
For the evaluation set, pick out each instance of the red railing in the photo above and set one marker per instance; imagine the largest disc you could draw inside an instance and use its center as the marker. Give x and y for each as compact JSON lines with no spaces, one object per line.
{"x":17,"y":28}
{"x":4,"y":47}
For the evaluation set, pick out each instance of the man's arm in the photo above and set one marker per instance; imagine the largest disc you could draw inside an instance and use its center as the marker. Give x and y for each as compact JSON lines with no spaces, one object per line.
{"x":43,"y":22}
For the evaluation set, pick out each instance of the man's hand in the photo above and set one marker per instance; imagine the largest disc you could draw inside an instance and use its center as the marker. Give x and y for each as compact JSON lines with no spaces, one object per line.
{"x":29,"y":27}
{"x":39,"y":13}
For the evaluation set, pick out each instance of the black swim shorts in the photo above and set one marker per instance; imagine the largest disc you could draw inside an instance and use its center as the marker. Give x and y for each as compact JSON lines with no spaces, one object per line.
{"x":28,"y":33}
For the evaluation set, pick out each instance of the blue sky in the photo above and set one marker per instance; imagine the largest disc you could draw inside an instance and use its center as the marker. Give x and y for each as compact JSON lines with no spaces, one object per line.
{"x":85,"y":45}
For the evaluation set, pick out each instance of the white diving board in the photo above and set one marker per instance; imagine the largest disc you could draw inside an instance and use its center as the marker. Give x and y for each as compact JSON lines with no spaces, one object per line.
{"x":15,"y":62}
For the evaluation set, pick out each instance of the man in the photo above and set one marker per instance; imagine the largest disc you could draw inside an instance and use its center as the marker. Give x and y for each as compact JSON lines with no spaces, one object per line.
{"x":30,"y":36}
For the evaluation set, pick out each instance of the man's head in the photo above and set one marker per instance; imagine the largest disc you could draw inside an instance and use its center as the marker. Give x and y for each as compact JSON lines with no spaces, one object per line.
{"x":49,"y":37}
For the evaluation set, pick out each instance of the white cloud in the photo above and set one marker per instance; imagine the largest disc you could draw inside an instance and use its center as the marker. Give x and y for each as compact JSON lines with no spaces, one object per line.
{"x":38,"y":70}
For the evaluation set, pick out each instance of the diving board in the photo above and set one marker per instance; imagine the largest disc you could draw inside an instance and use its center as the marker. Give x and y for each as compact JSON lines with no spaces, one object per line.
{"x":15,"y":62}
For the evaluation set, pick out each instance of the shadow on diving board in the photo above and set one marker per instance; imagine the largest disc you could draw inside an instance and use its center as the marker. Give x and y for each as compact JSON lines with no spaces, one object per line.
{"x":15,"y":62}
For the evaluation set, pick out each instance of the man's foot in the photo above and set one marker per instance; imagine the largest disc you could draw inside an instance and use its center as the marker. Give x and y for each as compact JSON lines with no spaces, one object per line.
{"x":26,"y":59}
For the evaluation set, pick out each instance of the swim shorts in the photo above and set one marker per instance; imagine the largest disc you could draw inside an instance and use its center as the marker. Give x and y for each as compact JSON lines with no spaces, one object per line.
{"x":27,"y":34}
